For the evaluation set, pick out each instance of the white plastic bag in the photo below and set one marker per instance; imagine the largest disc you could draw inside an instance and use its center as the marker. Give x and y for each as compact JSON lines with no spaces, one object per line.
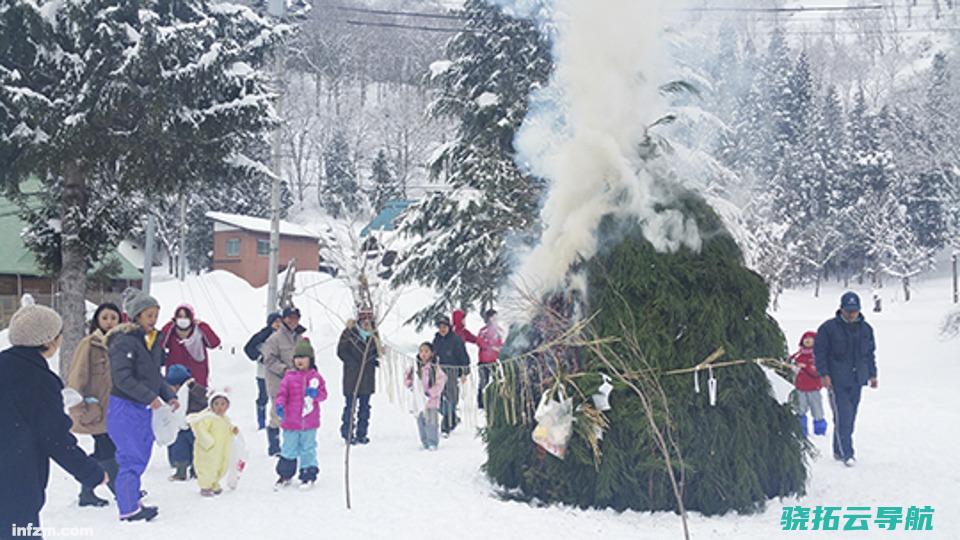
{"x":236,"y":461}
{"x":554,"y":424}
{"x":167,"y":422}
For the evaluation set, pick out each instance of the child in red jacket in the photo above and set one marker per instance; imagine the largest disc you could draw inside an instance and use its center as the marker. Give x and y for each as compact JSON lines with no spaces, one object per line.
{"x":808,"y":386}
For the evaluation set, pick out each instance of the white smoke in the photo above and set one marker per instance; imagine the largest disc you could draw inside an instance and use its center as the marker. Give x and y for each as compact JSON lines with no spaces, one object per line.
{"x":583,"y":131}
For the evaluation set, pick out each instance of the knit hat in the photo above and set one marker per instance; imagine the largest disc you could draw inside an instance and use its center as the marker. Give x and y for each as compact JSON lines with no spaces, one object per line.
{"x":303,"y":348}
{"x":33,"y":326}
{"x":272,"y":318}
{"x":177,"y":374}
{"x":290,"y":311}
{"x":214,"y":394}
{"x":139,"y":303}
{"x":850,"y":302}
{"x":443,"y":320}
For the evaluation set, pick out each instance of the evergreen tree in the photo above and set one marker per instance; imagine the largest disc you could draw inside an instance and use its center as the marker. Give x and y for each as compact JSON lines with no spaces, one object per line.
{"x":737,"y":454}
{"x":121,"y":99}
{"x":340,"y":194}
{"x":384,"y":187}
{"x":462,"y":234}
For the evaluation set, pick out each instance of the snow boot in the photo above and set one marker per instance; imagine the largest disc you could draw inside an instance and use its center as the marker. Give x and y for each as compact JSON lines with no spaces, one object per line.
{"x":281,"y":483}
{"x":146,"y":513}
{"x":286,"y":468}
{"x":273,"y":441}
{"x":207,"y":493}
{"x":803,"y":424}
{"x":181,"y":474}
{"x":820,"y":427}
{"x":89,"y":498}
{"x":850,"y":461}
{"x":361,"y":440}
{"x":309,"y":474}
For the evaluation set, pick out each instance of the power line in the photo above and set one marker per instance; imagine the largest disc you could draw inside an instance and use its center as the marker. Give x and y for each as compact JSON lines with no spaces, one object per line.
{"x":798,"y":9}
{"x":354,"y":22}
{"x":396,"y":13}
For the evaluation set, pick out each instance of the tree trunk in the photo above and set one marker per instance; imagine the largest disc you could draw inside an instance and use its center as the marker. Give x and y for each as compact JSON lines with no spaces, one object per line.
{"x":816,"y":287}
{"x":73,"y":268}
{"x":906,"y":288}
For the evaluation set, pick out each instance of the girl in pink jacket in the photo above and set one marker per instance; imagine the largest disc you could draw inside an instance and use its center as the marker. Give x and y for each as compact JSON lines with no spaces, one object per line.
{"x":430,"y":380}
{"x":298,"y":406}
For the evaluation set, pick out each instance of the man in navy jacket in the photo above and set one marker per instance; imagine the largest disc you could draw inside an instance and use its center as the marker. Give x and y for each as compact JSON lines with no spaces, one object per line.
{"x":33,"y":426}
{"x":845,"y":353}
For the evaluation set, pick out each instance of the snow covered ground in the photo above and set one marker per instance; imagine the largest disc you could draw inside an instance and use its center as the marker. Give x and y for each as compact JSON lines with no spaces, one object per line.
{"x":906,"y":438}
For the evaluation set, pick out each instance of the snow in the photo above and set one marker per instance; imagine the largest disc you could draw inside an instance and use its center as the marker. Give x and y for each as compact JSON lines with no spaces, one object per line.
{"x":903,"y":438}
{"x":439,"y":67}
{"x":487,"y":99}
{"x":261,"y":225}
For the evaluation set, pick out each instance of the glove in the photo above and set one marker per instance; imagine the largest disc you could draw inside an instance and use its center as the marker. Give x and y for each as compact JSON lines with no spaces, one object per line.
{"x":312,"y":392}
{"x":280,"y":412}
{"x":376,"y":363}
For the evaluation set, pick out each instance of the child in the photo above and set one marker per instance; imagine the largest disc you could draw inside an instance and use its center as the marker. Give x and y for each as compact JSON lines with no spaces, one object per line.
{"x":432,"y":380}
{"x":808,"y":386}
{"x":298,"y":406}
{"x":180,"y":452}
{"x":214,"y":434}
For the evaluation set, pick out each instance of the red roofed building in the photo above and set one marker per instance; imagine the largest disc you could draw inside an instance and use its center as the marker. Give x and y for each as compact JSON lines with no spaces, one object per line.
{"x":241,"y":245}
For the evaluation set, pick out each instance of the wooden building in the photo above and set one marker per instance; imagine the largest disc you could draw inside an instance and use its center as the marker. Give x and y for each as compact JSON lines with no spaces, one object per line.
{"x":241,"y":245}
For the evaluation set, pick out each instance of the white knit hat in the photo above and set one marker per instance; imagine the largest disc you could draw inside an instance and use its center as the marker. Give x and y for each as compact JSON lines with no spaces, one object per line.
{"x":33,"y":326}
{"x":214,"y":394}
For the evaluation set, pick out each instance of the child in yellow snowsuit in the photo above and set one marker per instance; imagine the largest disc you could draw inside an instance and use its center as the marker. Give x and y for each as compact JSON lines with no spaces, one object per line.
{"x":214,"y":435}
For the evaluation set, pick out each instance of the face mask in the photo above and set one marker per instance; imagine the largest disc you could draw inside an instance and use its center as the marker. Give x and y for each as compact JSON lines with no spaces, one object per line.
{"x":183,"y":324}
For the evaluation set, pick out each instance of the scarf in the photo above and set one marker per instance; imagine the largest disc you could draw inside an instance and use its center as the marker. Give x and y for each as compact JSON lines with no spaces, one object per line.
{"x":194,"y":344}
{"x":364,"y":335}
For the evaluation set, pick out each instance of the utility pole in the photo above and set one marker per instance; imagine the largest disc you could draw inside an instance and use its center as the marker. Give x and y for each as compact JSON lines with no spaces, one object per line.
{"x":277,"y":9}
{"x":148,"y":252}
{"x":956,"y":285}
{"x":182,"y":266}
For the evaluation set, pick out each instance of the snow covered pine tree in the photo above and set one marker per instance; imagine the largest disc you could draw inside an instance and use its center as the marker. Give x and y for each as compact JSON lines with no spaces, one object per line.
{"x":158,"y":98}
{"x":492,"y":68}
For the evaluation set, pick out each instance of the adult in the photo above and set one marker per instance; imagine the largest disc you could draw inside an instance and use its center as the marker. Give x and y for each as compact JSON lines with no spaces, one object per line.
{"x":90,"y":377}
{"x":845,"y":353}
{"x":358,"y":349}
{"x":452,"y":356}
{"x":489,"y":341}
{"x":186,"y":340}
{"x":33,"y":425}
{"x":254,"y":351}
{"x":136,"y":357}
{"x":278,"y":359}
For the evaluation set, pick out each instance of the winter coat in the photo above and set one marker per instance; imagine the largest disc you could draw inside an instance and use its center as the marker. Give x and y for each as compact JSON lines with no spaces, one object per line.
{"x":807,"y":379}
{"x":450,"y":351}
{"x":254,"y":349}
{"x":846,"y":352}
{"x":33,"y":430}
{"x":300,"y":411}
{"x":460,"y":327}
{"x":90,"y":376}
{"x":177,"y":352}
{"x":134,"y":369}
{"x":278,"y":355}
{"x":490,"y":341}
{"x":213,"y":436}
{"x":196,"y":398}
{"x":433,"y":392}
{"x":352,"y":350}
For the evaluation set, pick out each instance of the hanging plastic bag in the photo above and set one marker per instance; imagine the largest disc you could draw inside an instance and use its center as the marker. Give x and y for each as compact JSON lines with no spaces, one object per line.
{"x":236,"y":461}
{"x":601,"y":400}
{"x":554,"y":424}
{"x":167,"y":422}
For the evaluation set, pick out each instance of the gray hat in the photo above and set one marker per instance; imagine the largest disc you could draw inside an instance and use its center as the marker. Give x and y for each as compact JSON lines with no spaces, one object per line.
{"x":33,"y":326}
{"x":139,"y":303}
